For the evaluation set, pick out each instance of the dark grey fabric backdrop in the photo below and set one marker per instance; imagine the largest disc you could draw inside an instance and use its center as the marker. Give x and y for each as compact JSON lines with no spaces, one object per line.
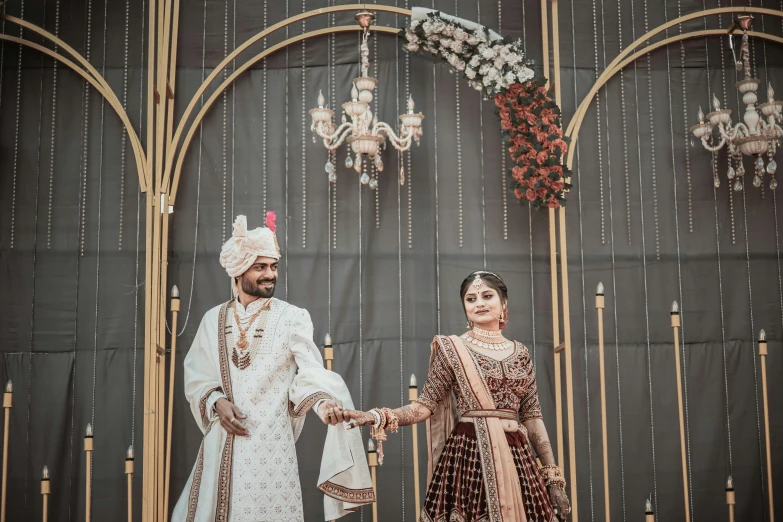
{"x":643,"y":219}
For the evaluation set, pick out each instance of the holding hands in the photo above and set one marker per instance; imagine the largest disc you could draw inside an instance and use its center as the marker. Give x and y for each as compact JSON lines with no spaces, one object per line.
{"x":332,"y":412}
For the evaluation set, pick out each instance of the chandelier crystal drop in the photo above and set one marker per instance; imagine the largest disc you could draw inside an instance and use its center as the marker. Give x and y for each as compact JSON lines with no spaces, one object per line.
{"x":758,"y":134}
{"x":360,"y":128}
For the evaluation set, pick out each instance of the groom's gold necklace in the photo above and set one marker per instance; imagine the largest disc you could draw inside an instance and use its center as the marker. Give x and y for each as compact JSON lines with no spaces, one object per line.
{"x":244,"y":360}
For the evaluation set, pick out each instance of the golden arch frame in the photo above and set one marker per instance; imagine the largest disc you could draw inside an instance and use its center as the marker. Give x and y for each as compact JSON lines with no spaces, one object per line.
{"x":160,"y":174}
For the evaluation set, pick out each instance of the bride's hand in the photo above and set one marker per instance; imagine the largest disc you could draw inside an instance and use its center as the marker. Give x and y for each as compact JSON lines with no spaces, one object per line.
{"x":358,"y":418}
{"x":559,"y":501}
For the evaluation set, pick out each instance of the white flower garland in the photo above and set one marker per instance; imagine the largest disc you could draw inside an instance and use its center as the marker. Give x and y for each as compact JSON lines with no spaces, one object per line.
{"x":491,"y":64}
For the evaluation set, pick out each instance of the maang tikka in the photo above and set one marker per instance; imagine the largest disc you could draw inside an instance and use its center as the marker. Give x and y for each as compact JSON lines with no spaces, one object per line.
{"x":477,"y":282}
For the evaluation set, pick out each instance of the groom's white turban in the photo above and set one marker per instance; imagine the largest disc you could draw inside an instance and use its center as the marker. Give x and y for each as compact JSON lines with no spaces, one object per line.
{"x":241,"y":250}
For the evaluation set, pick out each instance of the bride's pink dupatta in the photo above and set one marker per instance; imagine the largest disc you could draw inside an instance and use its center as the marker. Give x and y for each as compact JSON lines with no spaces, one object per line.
{"x":501,"y":480}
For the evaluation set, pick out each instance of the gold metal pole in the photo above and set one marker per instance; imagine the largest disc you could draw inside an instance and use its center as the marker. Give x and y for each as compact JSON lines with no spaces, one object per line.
{"x":175,"y":305}
{"x":129,"y":465}
{"x":328,"y":352}
{"x":372,"y":460}
{"x":150,"y":294}
{"x":413,"y":395}
{"x":8,"y":400}
{"x":763,"y":355}
{"x":599,"y":305}
{"x":676,"y":327}
{"x":649,"y":514}
{"x":45,"y":490}
{"x":88,"y":448}
{"x":730,"y":500}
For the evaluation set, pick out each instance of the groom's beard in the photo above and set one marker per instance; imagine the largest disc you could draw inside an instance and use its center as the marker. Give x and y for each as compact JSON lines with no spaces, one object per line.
{"x":259,"y":288}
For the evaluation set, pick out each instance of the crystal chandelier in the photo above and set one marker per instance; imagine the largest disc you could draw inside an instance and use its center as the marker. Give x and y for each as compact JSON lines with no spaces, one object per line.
{"x":755,"y":136}
{"x":360,"y":128}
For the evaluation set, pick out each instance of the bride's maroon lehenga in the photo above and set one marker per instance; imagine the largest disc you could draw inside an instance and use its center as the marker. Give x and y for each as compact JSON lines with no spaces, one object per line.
{"x":457,"y":491}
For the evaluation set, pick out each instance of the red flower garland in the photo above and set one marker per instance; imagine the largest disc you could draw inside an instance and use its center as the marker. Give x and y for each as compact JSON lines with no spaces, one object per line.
{"x":531,"y":123}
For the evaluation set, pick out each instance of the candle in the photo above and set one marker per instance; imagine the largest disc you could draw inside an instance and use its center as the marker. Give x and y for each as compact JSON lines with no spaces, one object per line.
{"x":9,"y":387}
{"x":129,"y":453}
{"x":174,"y":292}
{"x":648,"y":510}
{"x":45,"y":474}
{"x":370,"y":446}
{"x":88,"y":432}
{"x":328,"y":341}
{"x":675,"y":308}
{"x":600,"y":289}
{"x":413,"y":381}
{"x":320,"y":99}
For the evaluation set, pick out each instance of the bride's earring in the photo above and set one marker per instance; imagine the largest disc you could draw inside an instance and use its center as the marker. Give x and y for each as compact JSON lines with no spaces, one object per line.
{"x":502,"y":316}
{"x":470,"y":324}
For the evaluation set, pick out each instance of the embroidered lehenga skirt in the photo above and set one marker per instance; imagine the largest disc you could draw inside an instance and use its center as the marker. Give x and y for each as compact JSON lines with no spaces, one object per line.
{"x":456,"y":492}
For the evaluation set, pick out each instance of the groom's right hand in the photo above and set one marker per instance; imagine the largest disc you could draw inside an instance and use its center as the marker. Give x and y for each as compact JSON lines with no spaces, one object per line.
{"x":229,"y":418}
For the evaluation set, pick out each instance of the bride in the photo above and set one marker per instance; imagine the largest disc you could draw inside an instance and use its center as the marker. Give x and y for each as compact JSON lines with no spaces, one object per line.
{"x":481,"y":467}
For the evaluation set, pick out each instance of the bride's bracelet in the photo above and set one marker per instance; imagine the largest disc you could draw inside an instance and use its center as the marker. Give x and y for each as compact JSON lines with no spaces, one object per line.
{"x":385,"y":419}
{"x":377,"y":419}
{"x":552,"y":475}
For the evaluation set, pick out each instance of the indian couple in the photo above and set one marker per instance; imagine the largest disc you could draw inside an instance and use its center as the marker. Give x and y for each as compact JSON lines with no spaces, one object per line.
{"x":253,"y":372}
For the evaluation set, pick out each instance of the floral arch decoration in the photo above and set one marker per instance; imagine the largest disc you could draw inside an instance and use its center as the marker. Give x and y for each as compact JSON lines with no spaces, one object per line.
{"x":529,"y":118}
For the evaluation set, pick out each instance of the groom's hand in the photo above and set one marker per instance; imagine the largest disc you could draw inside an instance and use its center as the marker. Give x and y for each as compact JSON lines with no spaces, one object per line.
{"x":331,"y":412}
{"x":230,"y":417}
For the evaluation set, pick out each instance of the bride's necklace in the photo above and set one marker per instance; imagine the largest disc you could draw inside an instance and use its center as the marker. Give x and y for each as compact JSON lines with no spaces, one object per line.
{"x":488,"y":340}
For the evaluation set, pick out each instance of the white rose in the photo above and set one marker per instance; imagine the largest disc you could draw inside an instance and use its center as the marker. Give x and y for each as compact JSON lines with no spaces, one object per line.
{"x":457,"y":46}
{"x":484,"y":69}
{"x":487,"y":81}
{"x":499,"y":62}
{"x":460,"y":35}
{"x":472,"y":40}
{"x":427,"y":27}
{"x":492,"y":73}
{"x":488,"y":54}
{"x":438,"y":26}
{"x":513,"y":59}
{"x":411,"y":36}
{"x":509,"y":78}
{"x":414,"y":48}
{"x":470,"y":73}
{"x":448,"y":30}
{"x":434,"y":37}
{"x":475,"y":61}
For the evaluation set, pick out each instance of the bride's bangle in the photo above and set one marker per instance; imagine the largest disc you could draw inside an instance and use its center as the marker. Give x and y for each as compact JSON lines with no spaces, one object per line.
{"x":377,"y":418}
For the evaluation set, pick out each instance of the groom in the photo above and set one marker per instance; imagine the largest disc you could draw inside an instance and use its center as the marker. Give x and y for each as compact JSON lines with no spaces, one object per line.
{"x":251,"y":375}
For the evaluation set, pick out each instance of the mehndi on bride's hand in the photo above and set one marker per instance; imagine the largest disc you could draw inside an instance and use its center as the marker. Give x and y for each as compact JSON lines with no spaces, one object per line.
{"x":559,"y":501}
{"x":359,"y":418}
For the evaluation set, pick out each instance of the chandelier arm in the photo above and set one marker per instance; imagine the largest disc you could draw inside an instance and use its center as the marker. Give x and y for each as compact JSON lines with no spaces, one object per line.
{"x":339,"y":140}
{"x":340,"y":129}
{"x":397,"y":142}
{"x":714,"y":148}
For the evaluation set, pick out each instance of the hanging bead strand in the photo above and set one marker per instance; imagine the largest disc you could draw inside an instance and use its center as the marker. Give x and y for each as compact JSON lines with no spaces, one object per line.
{"x":124,"y":138}
{"x":54,"y":133}
{"x":457,"y":82}
{"x":503,"y":152}
{"x":304,"y":130}
{"x":265,"y":82}
{"x":16,"y":134}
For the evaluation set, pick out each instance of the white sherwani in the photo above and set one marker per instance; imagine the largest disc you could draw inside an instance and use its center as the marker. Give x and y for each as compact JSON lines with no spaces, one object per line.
{"x":256,"y":478}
